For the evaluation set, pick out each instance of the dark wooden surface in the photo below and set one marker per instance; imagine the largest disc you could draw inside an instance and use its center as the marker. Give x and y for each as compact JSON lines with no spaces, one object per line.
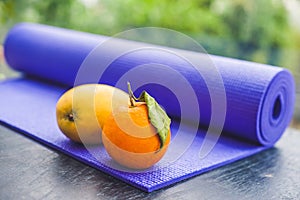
{"x":32,"y":171}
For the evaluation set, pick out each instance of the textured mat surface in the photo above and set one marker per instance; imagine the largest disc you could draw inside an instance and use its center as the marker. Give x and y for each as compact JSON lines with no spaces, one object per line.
{"x":259,"y":98}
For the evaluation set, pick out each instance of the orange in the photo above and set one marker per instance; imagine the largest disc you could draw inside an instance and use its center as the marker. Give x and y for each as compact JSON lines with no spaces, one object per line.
{"x":131,"y":140}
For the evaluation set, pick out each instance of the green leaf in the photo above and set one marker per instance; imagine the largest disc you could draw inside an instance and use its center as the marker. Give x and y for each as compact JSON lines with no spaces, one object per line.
{"x":157,"y":116}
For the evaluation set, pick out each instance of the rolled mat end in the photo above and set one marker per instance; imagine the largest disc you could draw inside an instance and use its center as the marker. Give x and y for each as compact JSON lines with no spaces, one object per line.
{"x":276,"y":108}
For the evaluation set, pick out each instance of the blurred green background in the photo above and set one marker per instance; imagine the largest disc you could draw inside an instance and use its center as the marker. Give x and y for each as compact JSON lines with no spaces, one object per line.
{"x":264,"y":31}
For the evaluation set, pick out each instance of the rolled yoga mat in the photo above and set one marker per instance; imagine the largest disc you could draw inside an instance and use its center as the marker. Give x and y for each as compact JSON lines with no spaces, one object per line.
{"x":258,"y":99}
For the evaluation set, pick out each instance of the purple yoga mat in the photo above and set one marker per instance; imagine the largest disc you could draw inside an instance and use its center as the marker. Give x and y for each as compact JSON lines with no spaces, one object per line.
{"x":259,"y":99}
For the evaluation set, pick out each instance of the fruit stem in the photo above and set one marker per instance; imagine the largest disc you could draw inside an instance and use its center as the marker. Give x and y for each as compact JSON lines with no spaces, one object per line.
{"x":132,"y":98}
{"x":70,"y":117}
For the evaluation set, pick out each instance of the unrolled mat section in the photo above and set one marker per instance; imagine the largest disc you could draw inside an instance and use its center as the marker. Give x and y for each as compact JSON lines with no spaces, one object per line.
{"x":251,"y":103}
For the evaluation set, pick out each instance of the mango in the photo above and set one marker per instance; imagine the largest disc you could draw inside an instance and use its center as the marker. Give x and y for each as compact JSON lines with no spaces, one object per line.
{"x":82,"y":111}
